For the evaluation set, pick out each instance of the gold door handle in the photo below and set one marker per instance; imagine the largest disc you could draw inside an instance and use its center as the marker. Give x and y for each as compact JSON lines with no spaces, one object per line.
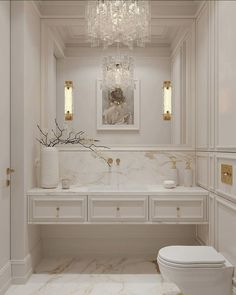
{"x":10,"y":171}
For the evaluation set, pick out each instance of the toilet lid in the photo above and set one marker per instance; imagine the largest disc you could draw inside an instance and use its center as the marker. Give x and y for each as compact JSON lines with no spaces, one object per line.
{"x":194,"y":255}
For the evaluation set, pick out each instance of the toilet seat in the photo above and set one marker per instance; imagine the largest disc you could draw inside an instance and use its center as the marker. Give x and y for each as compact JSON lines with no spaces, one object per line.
{"x":191,"y":257}
{"x":185,"y":265}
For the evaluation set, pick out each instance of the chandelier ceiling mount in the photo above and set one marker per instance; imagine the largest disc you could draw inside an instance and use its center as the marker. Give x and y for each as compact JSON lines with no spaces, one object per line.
{"x":118,"y":21}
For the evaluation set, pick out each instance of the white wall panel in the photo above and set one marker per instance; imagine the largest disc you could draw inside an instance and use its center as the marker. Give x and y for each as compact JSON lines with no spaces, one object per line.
{"x":226,"y":102}
{"x":177,"y":96}
{"x":25,"y":111}
{"x":203,"y":234}
{"x":202,"y":60}
{"x":225,"y":224}
{"x":5,"y":268}
{"x":202,"y":169}
{"x":211,"y":218}
{"x":211,"y":172}
{"x":113,"y":240}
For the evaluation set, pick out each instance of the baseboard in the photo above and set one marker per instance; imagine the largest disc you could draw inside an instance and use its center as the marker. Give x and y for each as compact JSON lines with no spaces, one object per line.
{"x":234,"y":286}
{"x":234,"y":290}
{"x":5,"y":277}
{"x":22,"y":269}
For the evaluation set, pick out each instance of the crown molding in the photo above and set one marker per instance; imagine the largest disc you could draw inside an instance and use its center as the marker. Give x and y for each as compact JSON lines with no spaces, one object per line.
{"x":159,"y":9}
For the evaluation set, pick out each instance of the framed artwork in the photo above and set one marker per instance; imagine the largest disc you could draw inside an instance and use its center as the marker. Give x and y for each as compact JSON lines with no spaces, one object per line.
{"x":118,"y":109}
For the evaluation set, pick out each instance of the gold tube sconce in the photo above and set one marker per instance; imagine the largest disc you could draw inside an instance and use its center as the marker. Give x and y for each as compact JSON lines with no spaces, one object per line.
{"x":167,"y":100}
{"x":68,"y":88}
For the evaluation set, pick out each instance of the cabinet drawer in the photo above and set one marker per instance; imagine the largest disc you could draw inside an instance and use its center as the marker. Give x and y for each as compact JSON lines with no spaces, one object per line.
{"x":118,"y":209}
{"x":57,"y":209}
{"x":176,"y":208}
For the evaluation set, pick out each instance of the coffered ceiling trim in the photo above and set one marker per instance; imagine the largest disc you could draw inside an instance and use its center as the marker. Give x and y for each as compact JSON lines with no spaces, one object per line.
{"x":159,"y":9}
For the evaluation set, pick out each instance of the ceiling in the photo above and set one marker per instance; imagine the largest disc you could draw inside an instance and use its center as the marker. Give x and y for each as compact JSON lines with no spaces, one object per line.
{"x":187,"y":8}
{"x":169,"y":19}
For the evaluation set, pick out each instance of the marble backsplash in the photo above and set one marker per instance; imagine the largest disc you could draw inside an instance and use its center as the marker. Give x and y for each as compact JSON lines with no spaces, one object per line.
{"x":84,"y":168}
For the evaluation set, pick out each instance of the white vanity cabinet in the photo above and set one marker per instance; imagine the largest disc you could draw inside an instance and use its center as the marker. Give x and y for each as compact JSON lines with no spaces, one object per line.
{"x":189,"y":209}
{"x":147,"y":206}
{"x":57,"y":209}
{"x":117,"y":208}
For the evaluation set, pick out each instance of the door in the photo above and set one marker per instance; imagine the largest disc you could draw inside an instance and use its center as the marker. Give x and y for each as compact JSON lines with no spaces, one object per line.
{"x":4,"y":134}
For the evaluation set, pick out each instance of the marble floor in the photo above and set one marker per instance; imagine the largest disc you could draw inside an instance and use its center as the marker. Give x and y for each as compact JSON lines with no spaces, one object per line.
{"x":81,"y":276}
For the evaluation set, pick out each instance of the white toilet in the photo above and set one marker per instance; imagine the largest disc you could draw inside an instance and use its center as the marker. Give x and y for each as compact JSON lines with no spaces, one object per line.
{"x":196,"y":270}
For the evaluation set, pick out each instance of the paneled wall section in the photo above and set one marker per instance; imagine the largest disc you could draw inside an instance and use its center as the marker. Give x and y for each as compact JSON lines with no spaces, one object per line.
{"x":216,"y":105}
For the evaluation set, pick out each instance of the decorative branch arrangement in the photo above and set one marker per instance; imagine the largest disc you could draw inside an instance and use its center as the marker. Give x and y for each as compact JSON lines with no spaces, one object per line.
{"x":60,"y":137}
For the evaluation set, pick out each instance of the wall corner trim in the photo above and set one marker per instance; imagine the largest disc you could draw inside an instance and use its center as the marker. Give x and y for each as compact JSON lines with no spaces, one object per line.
{"x":234,"y":290}
{"x":22,"y":269}
{"x":5,"y":277}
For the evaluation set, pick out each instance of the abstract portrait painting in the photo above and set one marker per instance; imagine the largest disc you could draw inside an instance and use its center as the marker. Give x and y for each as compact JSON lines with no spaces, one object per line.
{"x":117,"y":109}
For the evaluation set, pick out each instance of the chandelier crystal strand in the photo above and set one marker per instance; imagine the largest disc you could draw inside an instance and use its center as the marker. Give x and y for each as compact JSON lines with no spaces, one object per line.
{"x":118,"y":72}
{"x":118,"y":21}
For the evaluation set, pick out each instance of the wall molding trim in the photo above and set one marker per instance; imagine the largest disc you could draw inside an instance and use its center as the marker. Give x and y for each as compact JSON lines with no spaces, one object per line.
{"x":200,"y":8}
{"x":5,"y":277}
{"x":36,"y":7}
{"x":127,"y":148}
{"x":23,"y":268}
{"x":225,"y":149}
{"x":201,"y":171}
{"x":199,"y":240}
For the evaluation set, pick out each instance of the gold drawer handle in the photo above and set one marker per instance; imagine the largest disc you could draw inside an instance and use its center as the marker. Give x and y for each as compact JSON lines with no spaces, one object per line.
{"x":58,"y":209}
{"x":178,"y":211}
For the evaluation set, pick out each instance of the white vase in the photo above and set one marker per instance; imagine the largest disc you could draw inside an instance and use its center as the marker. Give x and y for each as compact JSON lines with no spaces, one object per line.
{"x":49,"y":167}
{"x":173,"y":175}
{"x":188,"y":177}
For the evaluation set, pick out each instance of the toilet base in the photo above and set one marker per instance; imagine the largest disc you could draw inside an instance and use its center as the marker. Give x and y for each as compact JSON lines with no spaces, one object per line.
{"x":200,"y":281}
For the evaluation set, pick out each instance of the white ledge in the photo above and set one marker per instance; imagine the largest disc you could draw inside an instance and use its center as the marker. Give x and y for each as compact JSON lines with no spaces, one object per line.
{"x":119,"y":190}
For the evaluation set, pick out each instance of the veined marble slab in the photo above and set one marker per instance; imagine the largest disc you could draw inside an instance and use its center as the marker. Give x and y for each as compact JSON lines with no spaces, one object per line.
{"x":116,"y":276}
{"x":135,"y":167}
{"x":120,"y":190}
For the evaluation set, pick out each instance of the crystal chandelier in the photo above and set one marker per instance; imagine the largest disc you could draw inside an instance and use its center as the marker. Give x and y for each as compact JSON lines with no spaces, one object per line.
{"x":118,"y":72}
{"x":118,"y":21}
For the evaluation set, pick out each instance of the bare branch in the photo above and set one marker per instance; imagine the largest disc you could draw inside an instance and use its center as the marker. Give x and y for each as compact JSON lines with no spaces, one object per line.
{"x":71,"y":138}
{"x":40,"y":141}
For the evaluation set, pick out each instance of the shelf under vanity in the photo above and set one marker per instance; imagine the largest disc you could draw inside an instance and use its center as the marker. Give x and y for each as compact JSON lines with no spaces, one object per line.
{"x":95,"y":205}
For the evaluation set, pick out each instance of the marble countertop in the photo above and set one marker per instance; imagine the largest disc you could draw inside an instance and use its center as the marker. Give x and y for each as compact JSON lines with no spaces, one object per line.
{"x":119,"y":190}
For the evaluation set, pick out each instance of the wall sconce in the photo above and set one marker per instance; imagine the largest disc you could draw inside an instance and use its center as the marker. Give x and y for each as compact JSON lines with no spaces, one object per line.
{"x":167,"y":100}
{"x":68,"y":88}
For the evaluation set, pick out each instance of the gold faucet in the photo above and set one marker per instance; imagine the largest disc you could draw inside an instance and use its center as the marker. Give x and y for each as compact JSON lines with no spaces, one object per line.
{"x":118,"y":162}
{"x":110,"y":161}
